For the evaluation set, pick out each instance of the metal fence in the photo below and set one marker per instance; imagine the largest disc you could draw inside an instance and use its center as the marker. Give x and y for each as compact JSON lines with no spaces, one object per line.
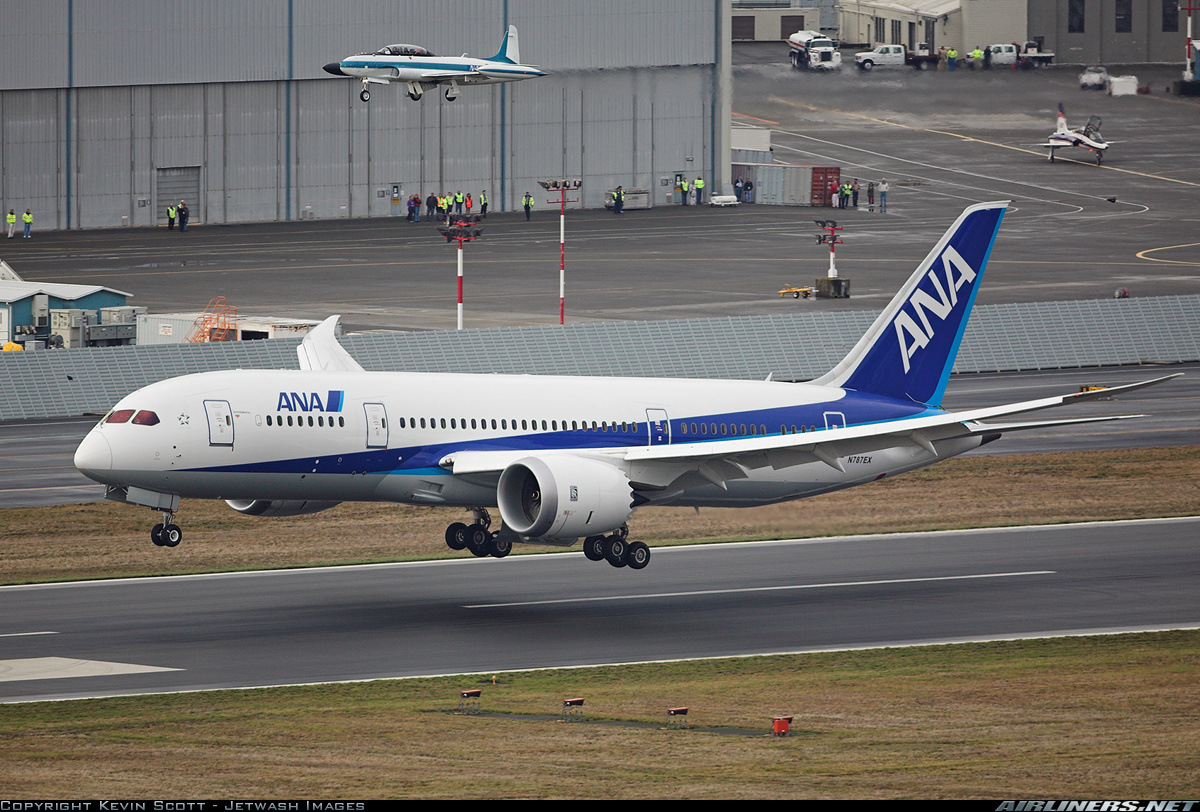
{"x":1043,"y":335}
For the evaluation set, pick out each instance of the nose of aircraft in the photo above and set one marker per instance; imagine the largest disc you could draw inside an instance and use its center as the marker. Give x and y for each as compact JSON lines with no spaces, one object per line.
{"x":335,"y":68}
{"x":94,"y":456}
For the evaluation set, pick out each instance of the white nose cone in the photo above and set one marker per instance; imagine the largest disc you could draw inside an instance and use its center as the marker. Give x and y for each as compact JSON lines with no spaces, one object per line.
{"x":94,"y":457}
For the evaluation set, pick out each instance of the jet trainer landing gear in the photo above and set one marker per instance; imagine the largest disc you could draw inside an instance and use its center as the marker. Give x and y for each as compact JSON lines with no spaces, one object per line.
{"x":415,"y":91}
{"x":365,"y":95}
{"x":617,"y":549}
{"x":478,"y":537}
{"x":166,"y":533}
{"x":452,"y":91}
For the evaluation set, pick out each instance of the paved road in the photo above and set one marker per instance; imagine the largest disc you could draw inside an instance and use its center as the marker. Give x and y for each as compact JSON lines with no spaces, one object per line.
{"x":482,"y":615}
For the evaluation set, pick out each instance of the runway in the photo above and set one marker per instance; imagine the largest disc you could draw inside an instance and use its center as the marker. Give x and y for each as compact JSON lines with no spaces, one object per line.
{"x":481,"y":615}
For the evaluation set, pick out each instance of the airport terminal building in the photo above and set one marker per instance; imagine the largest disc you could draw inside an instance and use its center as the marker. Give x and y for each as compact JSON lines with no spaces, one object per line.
{"x":113,"y":109}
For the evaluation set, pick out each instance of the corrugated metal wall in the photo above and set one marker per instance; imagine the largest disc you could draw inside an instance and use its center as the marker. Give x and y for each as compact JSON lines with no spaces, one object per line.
{"x":799,"y":346}
{"x":123,"y":88}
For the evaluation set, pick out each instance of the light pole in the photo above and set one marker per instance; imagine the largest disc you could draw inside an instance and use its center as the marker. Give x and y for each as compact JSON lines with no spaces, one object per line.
{"x":464,"y":230}
{"x":561,"y":186}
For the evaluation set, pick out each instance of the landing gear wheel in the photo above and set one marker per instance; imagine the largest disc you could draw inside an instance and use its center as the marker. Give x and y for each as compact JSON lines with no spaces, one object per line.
{"x":499,"y":547}
{"x":456,"y":536}
{"x":365,"y":95}
{"x":171,"y":535}
{"x":414,"y":96}
{"x":593,"y":548}
{"x":615,"y":550}
{"x":796,"y":295}
{"x":638,"y":556}
{"x":156,"y":534}
{"x":478,"y":540}
{"x":1099,"y":158}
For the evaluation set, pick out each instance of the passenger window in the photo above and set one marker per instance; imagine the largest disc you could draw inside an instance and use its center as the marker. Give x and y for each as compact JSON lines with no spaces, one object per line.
{"x":341,"y":421}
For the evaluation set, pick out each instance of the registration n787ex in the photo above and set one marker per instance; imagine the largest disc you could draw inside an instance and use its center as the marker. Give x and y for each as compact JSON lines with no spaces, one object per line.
{"x":563,"y":458}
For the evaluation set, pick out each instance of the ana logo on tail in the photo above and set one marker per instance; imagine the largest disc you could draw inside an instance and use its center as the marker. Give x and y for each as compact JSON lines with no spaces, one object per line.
{"x":913,"y":336}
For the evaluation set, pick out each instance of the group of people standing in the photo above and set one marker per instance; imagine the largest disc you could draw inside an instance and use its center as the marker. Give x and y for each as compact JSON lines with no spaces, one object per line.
{"x":743,"y":190}
{"x":845,"y":195}
{"x":688,"y":190}
{"x":978,"y":58}
{"x":443,"y":206}
{"x":26,"y":218}
{"x":180,"y":213}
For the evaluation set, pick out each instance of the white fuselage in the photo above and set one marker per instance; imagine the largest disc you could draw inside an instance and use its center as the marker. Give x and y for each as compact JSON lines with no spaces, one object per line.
{"x":379,"y":436}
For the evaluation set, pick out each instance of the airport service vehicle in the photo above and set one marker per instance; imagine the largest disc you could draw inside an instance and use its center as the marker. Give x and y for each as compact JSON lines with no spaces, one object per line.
{"x":1088,"y":138}
{"x":1028,"y":55}
{"x":1094,"y":78}
{"x":894,"y":56}
{"x":812,"y":50}
{"x":563,"y":457}
{"x":421,"y":70}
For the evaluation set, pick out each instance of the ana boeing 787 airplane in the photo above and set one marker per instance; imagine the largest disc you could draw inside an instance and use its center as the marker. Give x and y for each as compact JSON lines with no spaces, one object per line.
{"x":563,"y":458}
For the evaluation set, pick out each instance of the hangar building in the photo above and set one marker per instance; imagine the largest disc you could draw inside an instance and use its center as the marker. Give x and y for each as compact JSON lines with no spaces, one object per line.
{"x":112,"y":109}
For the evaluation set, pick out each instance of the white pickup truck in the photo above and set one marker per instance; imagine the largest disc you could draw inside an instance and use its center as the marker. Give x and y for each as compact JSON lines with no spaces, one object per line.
{"x":893,"y":56}
{"x":1026,"y":56}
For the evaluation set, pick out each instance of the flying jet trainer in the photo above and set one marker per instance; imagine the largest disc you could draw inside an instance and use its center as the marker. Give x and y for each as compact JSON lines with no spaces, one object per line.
{"x":421,"y":70}
{"x":1088,"y":138}
{"x":561,"y":457}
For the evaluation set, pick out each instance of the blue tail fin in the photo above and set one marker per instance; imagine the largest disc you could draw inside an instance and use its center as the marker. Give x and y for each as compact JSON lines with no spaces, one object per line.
{"x":509,"y":51}
{"x":910,"y":349}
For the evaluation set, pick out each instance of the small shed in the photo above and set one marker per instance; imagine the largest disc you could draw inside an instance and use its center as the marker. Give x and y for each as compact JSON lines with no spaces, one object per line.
{"x":25,"y":306}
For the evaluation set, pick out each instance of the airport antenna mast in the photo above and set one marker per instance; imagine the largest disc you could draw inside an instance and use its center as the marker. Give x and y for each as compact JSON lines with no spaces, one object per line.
{"x":832,"y":239}
{"x":464,"y":229}
{"x":561,"y":186}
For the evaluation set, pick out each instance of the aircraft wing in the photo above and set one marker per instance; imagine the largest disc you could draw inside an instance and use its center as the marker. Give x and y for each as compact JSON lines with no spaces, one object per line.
{"x":321,"y":350}
{"x":720,"y":460}
{"x":448,"y":75}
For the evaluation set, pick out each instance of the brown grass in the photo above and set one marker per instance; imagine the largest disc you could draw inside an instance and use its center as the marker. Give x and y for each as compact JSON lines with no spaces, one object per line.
{"x":1102,"y":717}
{"x":106,"y":539}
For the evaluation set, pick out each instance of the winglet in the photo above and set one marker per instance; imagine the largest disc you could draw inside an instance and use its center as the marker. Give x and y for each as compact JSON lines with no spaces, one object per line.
{"x":910,"y":349}
{"x":509,"y":51}
{"x":321,"y":350}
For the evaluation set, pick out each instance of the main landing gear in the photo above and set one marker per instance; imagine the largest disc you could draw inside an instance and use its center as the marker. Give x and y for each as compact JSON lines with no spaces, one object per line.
{"x":617,"y":549}
{"x":166,"y":533}
{"x":478,"y":537}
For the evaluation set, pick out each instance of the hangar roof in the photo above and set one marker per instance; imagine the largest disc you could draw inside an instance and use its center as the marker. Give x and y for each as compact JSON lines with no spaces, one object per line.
{"x":12,"y":290}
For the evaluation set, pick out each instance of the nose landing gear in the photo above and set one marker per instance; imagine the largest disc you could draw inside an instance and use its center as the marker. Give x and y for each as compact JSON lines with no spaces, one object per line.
{"x":166,"y":533}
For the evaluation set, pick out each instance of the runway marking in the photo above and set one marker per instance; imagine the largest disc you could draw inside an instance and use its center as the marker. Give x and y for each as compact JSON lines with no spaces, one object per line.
{"x":64,"y":667}
{"x":25,"y":634}
{"x":815,"y":109}
{"x":756,"y":118}
{"x":791,"y":587}
{"x":1142,"y":254}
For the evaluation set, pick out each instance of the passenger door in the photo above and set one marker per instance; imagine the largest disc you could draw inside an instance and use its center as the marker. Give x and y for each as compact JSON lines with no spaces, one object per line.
{"x":377,"y":430}
{"x":220,"y":422}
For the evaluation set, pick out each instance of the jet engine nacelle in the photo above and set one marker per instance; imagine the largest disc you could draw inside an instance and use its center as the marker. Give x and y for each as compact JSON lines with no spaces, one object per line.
{"x":279,"y":507}
{"x":563,"y":497}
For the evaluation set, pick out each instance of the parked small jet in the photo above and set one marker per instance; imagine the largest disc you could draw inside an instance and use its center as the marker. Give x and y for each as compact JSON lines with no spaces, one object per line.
{"x":1089,"y":137}
{"x":563,"y":458}
{"x":422,"y":70}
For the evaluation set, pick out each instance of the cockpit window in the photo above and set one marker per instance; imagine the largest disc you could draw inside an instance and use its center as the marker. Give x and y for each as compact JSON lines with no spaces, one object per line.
{"x":119,"y":416}
{"x":403,"y":50}
{"x":146,"y":418}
